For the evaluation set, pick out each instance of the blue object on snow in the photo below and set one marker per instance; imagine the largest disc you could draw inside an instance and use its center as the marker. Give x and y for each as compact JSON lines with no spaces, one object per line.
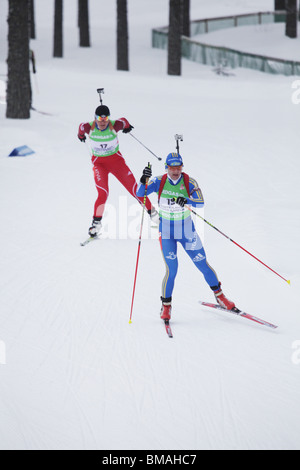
{"x":22,"y":151}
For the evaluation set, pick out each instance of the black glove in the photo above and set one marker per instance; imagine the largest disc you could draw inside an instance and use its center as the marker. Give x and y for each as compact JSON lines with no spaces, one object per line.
{"x":82,"y":138}
{"x":128,"y":129}
{"x":147,"y":173}
{"x":181,"y":201}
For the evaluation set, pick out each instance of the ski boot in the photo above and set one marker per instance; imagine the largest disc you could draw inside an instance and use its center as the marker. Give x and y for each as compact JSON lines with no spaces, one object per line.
{"x":95,"y":227}
{"x":165,"y":313}
{"x":221,"y":299}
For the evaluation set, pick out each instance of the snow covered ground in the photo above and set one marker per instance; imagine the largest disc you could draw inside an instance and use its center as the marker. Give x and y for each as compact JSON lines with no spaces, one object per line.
{"x":74,"y":373}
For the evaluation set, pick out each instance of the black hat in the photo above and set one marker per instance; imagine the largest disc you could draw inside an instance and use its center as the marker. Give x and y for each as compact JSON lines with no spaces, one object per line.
{"x":102,"y":111}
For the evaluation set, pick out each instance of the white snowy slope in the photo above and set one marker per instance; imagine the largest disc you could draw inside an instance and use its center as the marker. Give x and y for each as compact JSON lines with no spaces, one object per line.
{"x":77,"y":375}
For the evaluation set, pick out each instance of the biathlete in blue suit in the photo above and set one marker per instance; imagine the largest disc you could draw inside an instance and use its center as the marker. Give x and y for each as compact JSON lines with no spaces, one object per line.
{"x":176,"y":190}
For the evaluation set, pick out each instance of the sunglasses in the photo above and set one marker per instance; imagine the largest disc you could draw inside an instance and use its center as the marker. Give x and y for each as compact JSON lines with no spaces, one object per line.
{"x":101,"y":118}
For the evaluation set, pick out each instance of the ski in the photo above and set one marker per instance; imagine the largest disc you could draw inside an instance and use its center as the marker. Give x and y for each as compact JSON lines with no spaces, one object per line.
{"x":168,"y":328}
{"x":89,"y":240}
{"x":240,"y":313}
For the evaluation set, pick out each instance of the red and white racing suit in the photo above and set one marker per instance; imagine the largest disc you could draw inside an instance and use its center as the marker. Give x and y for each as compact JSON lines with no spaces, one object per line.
{"x":108,"y":159}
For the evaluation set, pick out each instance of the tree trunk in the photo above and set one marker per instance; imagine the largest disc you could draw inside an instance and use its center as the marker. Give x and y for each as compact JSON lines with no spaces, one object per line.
{"x":291,"y":18}
{"x":174,"y":43}
{"x":83,"y":22}
{"x":18,"y":84}
{"x":58,"y":29}
{"x":32,"y":20}
{"x":122,"y":36}
{"x":280,"y":5}
{"x":185,"y":18}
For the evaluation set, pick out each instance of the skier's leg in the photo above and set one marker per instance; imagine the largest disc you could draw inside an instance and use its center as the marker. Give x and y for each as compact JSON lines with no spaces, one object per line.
{"x":101,"y":181}
{"x":169,"y":252}
{"x":199,"y":259}
{"x":197,"y":254}
{"x":194,"y":248}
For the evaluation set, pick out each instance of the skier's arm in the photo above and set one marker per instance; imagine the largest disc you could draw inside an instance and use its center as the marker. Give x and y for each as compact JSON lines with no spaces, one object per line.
{"x":122,"y":125}
{"x":84,"y":128}
{"x":153,"y":187}
{"x":196,"y":197}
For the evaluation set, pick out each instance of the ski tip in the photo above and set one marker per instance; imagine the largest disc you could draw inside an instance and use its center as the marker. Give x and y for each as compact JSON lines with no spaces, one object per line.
{"x":289,"y":282}
{"x":130,"y":321}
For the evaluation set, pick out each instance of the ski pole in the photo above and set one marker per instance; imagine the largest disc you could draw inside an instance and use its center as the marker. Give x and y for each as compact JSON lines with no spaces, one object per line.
{"x":88,"y":147}
{"x":158,"y":158}
{"x":139,"y":247}
{"x":178,"y":137}
{"x":228,"y":238}
{"x":100,"y":91}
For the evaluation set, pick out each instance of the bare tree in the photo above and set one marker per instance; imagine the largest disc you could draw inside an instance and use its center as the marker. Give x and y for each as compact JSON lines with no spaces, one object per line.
{"x":83,"y":23}
{"x":32,"y":20}
{"x":291,"y":29}
{"x":122,"y":36}
{"x":185,"y":18}
{"x":279,"y":5}
{"x":18,"y":85}
{"x":174,"y":43}
{"x":58,"y":29}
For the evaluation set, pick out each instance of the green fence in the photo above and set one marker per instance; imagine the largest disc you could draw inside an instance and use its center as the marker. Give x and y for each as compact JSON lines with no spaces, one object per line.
{"x":215,"y":55}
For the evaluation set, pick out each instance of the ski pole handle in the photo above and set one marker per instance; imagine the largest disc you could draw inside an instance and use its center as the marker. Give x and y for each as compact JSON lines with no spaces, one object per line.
{"x":146,"y":190}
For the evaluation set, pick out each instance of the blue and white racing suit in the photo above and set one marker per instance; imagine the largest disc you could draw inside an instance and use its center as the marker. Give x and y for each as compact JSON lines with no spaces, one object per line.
{"x":176,"y":225}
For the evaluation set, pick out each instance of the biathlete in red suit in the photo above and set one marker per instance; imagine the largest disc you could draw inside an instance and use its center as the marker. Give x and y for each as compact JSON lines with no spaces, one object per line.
{"x":107,"y":159}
